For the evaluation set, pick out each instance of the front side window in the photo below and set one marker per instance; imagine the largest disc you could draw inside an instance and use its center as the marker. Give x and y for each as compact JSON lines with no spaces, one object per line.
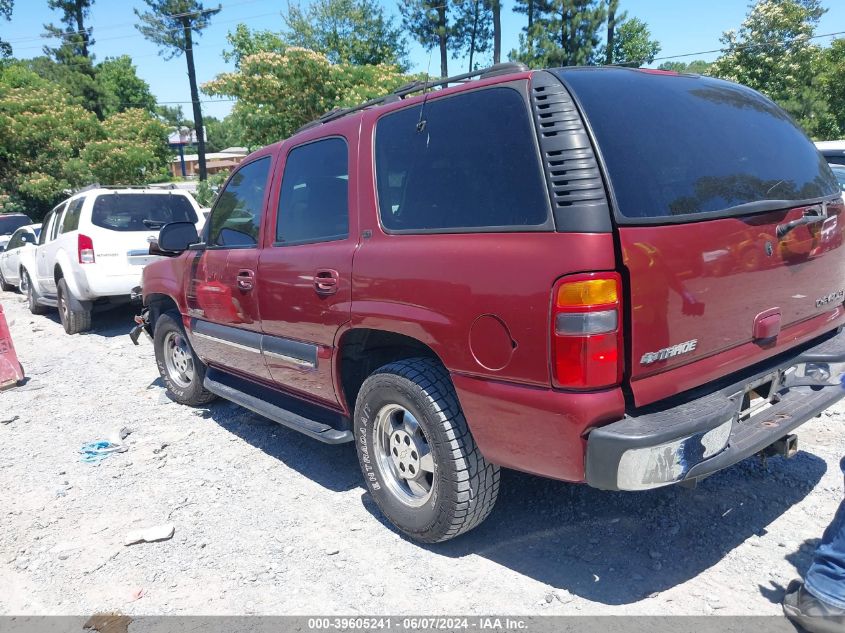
{"x":49,"y":225}
{"x":314,"y":200}
{"x":462,"y":163}
{"x":15,"y":242}
{"x":236,"y":216}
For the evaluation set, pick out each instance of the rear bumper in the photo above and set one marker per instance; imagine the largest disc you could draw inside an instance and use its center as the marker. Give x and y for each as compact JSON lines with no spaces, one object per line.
{"x":698,"y":437}
{"x":93,"y":283}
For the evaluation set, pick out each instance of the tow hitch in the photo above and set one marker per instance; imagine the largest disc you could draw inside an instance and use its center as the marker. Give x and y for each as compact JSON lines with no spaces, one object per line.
{"x":142,"y":324}
{"x":786,"y":446}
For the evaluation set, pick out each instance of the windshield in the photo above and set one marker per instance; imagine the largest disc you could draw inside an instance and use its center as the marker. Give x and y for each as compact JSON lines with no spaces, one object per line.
{"x":140,"y":211}
{"x":11,"y":223}
{"x":678,"y":145}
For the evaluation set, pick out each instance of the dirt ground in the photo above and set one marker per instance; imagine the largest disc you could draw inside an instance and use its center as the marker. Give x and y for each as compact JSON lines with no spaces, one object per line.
{"x":268,"y":521}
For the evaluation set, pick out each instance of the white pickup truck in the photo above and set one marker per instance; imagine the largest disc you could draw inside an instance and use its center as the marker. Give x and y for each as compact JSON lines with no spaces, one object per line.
{"x":93,"y":247}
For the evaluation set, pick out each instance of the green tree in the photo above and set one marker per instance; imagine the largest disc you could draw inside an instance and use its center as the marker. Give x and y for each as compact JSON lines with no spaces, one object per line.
{"x":564,"y":33}
{"x":613,"y":18}
{"x":6,"y":7}
{"x":171,"y":24}
{"x":42,"y":132}
{"x":473,"y":29}
{"x":173,"y":116}
{"x":223,"y":133}
{"x":429,"y":23}
{"x":246,"y":42}
{"x":347,"y":31}
{"x":279,"y":92}
{"x":772,"y":52}
{"x":631,"y":44}
{"x":75,"y":37}
{"x":830,"y":76}
{"x":132,"y":150}
{"x":695,"y":67}
{"x":121,"y":87}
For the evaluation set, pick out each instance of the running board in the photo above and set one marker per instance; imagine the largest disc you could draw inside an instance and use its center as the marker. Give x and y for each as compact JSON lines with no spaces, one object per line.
{"x":311,"y":420}
{"x":50,"y":301}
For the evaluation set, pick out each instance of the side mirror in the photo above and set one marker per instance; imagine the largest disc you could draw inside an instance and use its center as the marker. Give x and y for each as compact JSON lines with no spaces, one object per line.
{"x":28,"y":238}
{"x":177,"y":237}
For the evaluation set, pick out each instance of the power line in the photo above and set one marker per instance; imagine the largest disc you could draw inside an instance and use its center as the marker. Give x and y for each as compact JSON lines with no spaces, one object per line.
{"x":66,"y":34}
{"x":172,"y":30}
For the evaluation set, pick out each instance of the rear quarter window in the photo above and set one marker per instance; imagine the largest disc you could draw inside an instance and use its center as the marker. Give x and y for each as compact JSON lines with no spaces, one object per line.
{"x":683,"y":145}
{"x":462,"y":163}
{"x":140,"y":211}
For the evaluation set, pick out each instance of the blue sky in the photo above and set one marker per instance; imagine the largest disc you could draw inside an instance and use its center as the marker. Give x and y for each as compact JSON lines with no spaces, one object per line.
{"x":681,"y":26}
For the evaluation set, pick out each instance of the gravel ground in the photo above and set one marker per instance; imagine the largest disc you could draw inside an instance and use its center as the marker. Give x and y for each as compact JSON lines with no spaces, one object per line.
{"x":268,"y":521}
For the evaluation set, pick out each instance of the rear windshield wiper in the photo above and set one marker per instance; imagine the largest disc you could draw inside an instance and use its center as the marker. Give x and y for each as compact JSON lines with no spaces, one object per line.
{"x":153,"y":224}
{"x":812,"y":215}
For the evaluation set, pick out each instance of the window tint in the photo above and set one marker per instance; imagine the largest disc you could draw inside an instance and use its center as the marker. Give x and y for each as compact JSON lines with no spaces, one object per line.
{"x":16,"y":241}
{"x":57,"y":219}
{"x":473,"y":165}
{"x":677,"y":145}
{"x":236,"y":216}
{"x":46,"y":226}
{"x":314,"y":200}
{"x":140,"y":211}
{"x":11,"y":223}
{"x":71,"y":219}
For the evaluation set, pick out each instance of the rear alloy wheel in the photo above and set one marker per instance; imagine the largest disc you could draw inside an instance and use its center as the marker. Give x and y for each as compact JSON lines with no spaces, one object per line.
{"x":73,"y":320}
{"x":417,"y":454}
{"x":31,"y":295}
{"x":182,"y":372}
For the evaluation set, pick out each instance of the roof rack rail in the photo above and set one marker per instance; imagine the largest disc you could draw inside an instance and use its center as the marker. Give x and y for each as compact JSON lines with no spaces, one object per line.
{"x":415,"y":86}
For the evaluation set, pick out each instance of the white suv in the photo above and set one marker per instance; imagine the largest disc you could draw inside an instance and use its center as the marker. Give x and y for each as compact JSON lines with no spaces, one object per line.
{"x":93,"y":247}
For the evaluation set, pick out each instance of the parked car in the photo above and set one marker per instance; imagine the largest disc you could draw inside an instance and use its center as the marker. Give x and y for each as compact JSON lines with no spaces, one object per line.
{"x":10,"y":259}
{"x":9,"y":223}
{"x":93,"y":247}
{"x":513,"y":272}
{"x":833,"y":151}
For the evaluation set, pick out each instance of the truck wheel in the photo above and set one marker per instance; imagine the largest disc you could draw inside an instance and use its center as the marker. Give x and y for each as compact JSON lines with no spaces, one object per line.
{"x":418,"y":457}
{"x":5,"y":285}
{"x":73,"y":321}
{"x":32,"y":295}
{"x":180,"y":369}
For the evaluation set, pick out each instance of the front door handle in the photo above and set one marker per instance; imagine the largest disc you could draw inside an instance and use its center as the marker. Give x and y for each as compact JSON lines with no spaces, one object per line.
{"x":246,"y":279}
{"x":325,"y":281}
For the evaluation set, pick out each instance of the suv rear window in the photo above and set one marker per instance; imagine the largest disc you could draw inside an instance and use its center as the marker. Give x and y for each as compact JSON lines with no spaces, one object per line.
{"x":472,"y":165}
{"x":682,"y":145}
{"x":140,"y":211}
{"x":11,"y":223}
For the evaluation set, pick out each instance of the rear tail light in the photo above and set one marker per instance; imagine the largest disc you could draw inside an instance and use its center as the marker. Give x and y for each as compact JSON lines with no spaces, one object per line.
{"x":586,"y":331}
{"x":85,"y":249}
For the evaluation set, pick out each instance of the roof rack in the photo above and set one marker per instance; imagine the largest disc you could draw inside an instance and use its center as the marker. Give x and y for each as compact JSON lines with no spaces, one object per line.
{"x":95,"y":185}
{"x":416,"y":86}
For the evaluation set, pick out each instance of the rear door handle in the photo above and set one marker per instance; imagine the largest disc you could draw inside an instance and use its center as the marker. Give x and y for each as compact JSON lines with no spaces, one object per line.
{"x":246,"y":279}
{"x":325,"y":281}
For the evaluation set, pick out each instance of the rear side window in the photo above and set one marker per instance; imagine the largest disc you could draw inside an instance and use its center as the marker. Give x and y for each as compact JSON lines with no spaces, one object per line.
{"x":314,"y":200}
{"x":71,"y":219}
{"x":140,"y":211}
{"x":463,"y":163}
{"x":681,"y":145}
{"x":236,"y":216}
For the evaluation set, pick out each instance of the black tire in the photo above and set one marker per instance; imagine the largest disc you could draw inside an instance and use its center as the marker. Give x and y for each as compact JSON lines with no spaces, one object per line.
{"x":190,"y":392}
{"x":32,"y":296}
{"x":73,"y":321}
{"x":463,"y":487}
{"x":4,"y":285}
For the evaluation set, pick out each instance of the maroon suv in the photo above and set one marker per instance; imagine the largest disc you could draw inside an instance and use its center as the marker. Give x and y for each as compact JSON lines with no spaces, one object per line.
{"x":622,"y":277}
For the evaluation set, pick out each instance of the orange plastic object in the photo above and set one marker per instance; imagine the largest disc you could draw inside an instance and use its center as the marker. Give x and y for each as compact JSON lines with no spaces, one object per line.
{"x":11,"y":371}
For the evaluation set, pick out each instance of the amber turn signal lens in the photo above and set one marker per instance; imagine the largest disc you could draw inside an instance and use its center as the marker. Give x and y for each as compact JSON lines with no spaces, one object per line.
{"x":589,"y":292}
